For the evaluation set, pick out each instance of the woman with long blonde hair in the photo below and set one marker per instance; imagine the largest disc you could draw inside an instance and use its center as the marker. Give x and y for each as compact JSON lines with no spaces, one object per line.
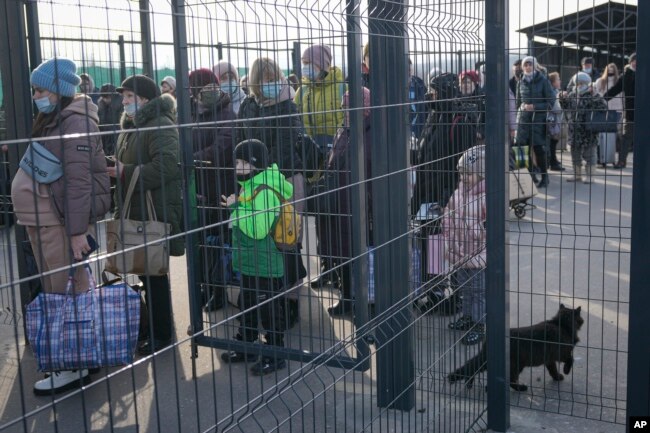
{"x":608,"y":80}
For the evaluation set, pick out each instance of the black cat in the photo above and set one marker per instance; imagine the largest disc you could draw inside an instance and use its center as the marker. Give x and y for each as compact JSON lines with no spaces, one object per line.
{"x":545,"y":343}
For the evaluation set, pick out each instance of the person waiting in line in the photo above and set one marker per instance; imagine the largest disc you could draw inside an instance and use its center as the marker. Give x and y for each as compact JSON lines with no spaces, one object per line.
{"x":464,"y":221}
{"x":418,"y":110}
{"x":517,"y":73}
{"x":110,"y":112}
{"x":295,"y":82}
{"x":87,"y":87}
{"x":229,"y":83}
{"x":450,"y":130}
{"x":213,"y":142}
{"x":607,"y":81}
{"x":534,"y":99}
{"x":60,"y":215}
{"x":626,"y":84}
{"x":334,"y":220}
{"x":255,"y":255}
{"x":472,"y":98}
{"x":586,"y":66}
{"x":269,"y":115}
{"x":554,"y":122}
{"x":319,"y":100}
{"x":365,"y":66}
{"x":149,"y":141}
{"x":168,"y":86}
{"x":578,"y":105}
{"x":243,"y":84}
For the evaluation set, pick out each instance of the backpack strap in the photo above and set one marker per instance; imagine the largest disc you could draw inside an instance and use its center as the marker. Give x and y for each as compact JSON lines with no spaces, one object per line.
{"x":261,"y":188}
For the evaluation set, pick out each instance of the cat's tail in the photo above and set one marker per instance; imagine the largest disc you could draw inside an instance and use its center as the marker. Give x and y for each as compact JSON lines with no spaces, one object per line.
{"x":470,"y":369}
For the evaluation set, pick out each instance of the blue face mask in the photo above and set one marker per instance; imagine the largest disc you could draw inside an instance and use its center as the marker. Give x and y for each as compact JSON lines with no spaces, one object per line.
{"x":309,"y":71}
{"x":44,"y":105}
{"x":230,"y":86}
{"x":582,"y":88}
{"x":586,"y":70}
{"x":130,"y":109}
{"x":271,"y":90}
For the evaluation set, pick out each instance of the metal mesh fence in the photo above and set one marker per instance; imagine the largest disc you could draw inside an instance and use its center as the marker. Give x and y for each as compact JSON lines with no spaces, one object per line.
{"x":331,"y":276}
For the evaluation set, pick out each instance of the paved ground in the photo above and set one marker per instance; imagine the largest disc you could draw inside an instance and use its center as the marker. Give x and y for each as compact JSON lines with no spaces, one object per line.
{"x":573,"y":248}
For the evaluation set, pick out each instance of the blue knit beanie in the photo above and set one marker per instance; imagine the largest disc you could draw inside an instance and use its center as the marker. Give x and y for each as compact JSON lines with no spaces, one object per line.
{"x":46,"y":74}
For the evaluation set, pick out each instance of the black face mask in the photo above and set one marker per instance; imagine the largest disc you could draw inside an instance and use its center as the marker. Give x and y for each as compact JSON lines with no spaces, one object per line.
{"x":519,"y":73}
{"x":610,"y":74}
{"x":247,"y":176}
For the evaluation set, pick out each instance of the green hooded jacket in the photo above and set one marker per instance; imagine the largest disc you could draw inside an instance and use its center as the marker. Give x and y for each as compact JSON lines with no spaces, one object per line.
{"x":326,"y":95}
{"x":254,"y":250}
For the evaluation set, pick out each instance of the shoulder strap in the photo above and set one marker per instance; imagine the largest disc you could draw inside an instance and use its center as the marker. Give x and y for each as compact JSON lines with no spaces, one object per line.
{"x":264,"y":187}
{"x":129,"y":193}
{"x":151,"y":210}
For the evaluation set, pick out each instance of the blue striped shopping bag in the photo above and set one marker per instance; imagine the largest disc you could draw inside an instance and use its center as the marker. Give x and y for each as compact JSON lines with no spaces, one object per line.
{"x":97,"y":328}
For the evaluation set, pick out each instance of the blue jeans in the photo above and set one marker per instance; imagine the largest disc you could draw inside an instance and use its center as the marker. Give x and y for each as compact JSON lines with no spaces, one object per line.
{"x":471,"y":285}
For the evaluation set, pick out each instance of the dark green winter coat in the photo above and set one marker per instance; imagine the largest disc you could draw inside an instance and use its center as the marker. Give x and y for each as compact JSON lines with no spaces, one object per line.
{"x":157,"y":153}
{"x":531,"y":125}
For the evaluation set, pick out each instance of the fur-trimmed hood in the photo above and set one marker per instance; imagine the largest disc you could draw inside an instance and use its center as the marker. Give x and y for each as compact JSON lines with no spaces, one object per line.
{"x":164,"y":105}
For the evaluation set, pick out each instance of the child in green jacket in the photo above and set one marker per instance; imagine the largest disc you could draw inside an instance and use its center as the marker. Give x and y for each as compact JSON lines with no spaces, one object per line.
{"x":254,"y":212}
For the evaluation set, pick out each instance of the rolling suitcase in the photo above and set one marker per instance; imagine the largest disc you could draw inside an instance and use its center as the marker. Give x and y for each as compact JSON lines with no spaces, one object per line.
{"x":607,"y":147}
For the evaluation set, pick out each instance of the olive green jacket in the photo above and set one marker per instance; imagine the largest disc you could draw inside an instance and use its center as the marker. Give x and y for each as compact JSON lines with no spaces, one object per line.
{"x":157,"y":153}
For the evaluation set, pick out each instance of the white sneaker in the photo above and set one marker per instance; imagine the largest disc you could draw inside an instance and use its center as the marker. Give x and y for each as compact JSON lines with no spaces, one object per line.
{"x":61,"y":381}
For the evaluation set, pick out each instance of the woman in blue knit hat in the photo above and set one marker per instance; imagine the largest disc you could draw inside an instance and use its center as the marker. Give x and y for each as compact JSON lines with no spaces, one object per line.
{"x":60,"y":205}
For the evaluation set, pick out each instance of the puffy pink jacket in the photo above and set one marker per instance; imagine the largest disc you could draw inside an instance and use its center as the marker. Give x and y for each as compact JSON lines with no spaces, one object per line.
{"x":464,"y":226}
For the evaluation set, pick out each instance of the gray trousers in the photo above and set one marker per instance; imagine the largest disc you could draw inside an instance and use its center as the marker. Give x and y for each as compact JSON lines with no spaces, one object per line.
{"x":587,"y":154}
{"x":471,"y":285}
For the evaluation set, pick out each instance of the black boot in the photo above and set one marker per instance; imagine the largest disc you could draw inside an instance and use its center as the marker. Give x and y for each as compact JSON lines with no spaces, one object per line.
{"x":213,"y":299}
{"x":543,"y":183}
{"x":292,"y":312}
{"x":342,"y":308}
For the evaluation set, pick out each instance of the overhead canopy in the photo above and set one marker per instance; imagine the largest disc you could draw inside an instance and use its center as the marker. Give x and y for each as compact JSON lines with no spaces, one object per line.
{"x":609,"y":27}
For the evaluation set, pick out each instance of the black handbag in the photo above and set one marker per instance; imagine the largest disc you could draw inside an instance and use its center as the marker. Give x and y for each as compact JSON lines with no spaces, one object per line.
{"x":602,"y":121}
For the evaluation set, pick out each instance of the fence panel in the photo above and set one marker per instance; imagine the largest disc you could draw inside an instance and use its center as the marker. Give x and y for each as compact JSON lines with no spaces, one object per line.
{"x":372,"y":116}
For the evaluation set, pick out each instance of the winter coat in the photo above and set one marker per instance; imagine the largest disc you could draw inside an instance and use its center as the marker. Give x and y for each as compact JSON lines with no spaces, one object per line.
{"x":254,"y":250}
{"x":335,"y":208}
{"x":576,"y":109}
{"x":214,"y":142}
{"x":626,"y":84}
{"x":282,"y":135}
{"x":512,"y":111}
{"x":156,"y":151}
{"x":82,"y":195}
{"x":602,"y":86}
{"x":418,"y":109}
{"x":109,"y":120}
{"x":448,"y":133}
{"x":531,"y":125}
{"x":463,"y":226}
{"x":322,"y":96}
